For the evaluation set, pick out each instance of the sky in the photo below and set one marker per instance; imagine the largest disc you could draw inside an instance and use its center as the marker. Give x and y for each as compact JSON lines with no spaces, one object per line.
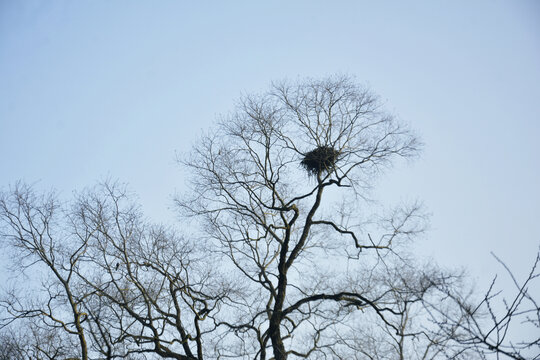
{"x":91,"y":90}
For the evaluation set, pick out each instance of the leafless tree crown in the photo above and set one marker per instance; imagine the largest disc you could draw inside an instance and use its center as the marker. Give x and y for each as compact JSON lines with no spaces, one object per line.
{"x":285,"y":257}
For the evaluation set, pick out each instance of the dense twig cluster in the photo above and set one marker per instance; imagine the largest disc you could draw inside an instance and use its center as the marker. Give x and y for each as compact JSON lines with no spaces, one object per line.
{"x":322,"y":158}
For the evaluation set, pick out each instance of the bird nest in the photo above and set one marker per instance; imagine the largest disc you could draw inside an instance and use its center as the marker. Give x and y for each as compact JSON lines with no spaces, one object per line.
{"x":322,"y":158}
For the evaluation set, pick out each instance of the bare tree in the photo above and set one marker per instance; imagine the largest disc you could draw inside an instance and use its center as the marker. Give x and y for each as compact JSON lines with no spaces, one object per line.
{"x":492,"y":324}
{"x":153,"y":289}
{"x":280,"y":187}
{"x":41,"y":244}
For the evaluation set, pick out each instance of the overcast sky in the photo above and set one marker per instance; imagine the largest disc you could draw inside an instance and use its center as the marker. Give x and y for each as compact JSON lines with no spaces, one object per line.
{"x":113,"y":89}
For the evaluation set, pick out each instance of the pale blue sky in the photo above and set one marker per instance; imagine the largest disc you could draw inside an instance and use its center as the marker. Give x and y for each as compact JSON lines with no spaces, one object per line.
{"x":96,"y":89}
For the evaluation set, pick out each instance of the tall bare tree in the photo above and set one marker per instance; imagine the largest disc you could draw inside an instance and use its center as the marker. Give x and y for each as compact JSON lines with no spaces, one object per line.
{"x":281,"y":187}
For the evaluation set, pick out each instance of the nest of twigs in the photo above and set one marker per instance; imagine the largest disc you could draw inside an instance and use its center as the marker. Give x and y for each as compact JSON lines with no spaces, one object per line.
{"x":322,"y":158}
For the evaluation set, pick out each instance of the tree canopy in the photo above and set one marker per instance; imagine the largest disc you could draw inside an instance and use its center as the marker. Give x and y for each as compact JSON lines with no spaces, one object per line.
{"x":283,"y":254}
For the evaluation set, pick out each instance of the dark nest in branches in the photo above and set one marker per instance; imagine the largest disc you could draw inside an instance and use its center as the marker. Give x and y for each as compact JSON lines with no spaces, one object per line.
{"x":322,"y":158}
